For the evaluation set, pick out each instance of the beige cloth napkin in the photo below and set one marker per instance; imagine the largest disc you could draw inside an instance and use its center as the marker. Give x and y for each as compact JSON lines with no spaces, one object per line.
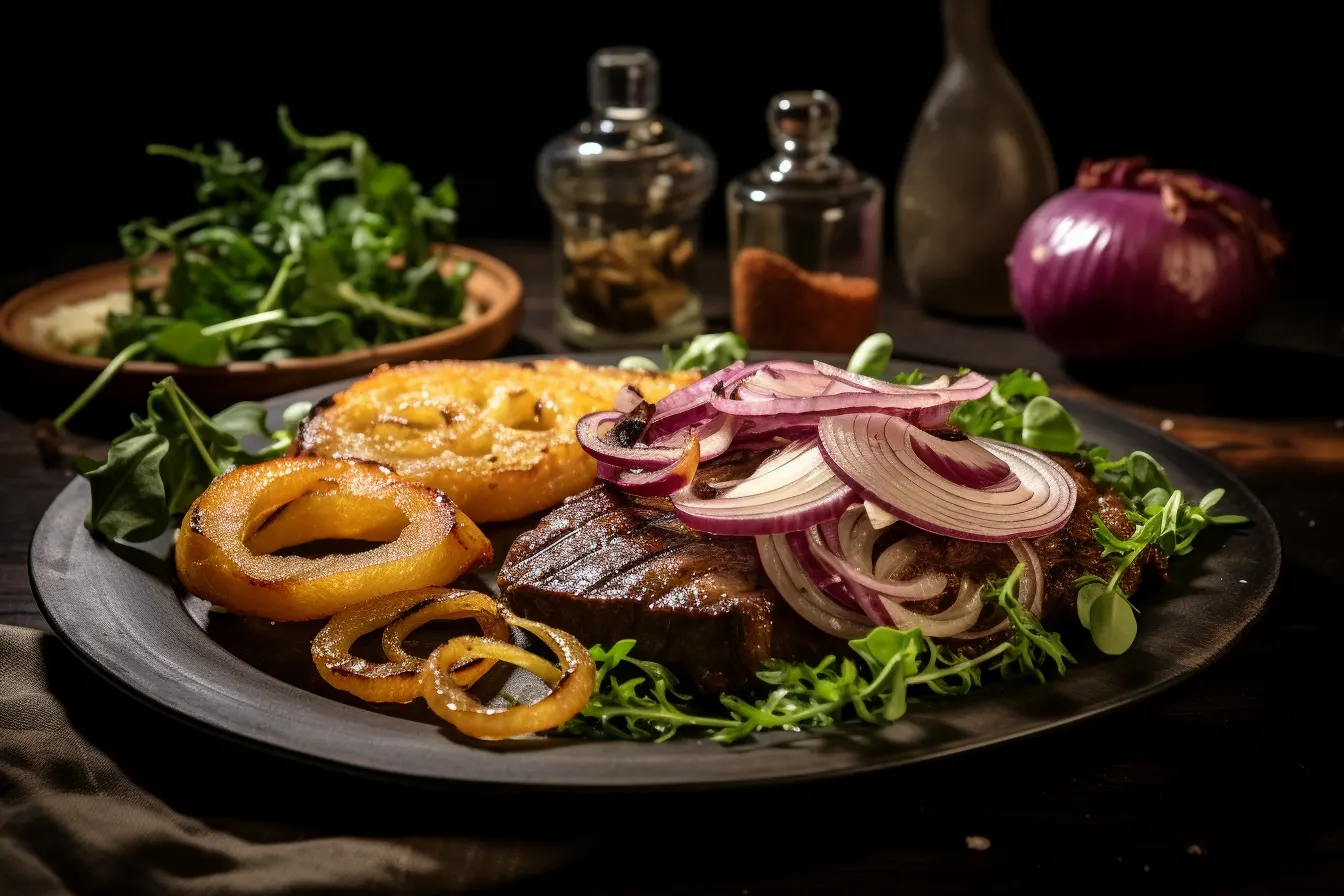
{"x":99,"y":794}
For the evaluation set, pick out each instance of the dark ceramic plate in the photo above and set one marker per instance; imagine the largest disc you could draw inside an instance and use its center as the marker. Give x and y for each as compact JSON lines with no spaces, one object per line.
{"x":253,"y":680}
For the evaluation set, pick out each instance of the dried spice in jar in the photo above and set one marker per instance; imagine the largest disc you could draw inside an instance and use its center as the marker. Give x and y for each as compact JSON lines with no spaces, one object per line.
{"x":626,"y":187}
{"x":629,"y":281}
{"x":805,"y":235}
{"x":777,"y":305}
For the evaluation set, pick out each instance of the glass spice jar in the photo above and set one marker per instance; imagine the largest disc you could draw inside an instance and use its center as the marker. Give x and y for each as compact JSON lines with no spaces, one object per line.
{"x":805,"y":236}
{"x":626,"y":187}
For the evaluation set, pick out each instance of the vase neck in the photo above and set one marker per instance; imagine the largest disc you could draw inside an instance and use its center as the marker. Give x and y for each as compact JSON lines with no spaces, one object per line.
{"x":966,"y":31}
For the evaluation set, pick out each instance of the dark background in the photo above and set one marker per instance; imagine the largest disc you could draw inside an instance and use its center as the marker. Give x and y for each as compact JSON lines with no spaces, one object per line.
{"x":1238,"y":95}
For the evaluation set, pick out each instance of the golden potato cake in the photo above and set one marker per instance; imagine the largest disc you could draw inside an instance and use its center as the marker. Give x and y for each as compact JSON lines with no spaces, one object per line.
{"x":497,"y":438}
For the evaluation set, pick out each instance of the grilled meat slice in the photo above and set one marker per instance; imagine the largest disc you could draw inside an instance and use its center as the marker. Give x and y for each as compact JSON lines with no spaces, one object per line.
{"x":604,"y":567}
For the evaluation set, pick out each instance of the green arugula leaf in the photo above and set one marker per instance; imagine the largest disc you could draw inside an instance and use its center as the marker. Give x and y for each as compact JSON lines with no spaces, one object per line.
{"x":1019,"y":409}
{"x":910,"y":377}
{"x":1046,"y":426}
{"x":1032,"y":645}
{"x":872,"y":356}
{"x":638,"y":362}
{"x":184,"y":343}
{"x":709,"y":352}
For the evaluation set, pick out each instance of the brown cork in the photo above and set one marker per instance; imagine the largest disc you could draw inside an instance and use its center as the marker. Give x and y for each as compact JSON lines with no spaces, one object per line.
{"x":779,"y":306}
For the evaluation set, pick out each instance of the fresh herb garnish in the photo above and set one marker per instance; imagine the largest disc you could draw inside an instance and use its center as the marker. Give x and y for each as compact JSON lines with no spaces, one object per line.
{"x":157,"y":468}
{"x":1164,"y":520}
{"x":910,"y":377}
{"x":336,"y":258}
{"x":708,"y":352}
{"x":872,"y":356}
{"x":648,"y":706}
{"x":1019,"y":409}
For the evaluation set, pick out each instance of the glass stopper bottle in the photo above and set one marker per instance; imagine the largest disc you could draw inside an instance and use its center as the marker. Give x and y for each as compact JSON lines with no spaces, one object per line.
{"x":626,"y":187}
{"x":805,"y":236}
{"x":977,"y":166}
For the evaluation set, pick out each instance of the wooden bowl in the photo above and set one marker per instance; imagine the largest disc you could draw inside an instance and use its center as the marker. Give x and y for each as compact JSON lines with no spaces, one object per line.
{"x":494,"y":287}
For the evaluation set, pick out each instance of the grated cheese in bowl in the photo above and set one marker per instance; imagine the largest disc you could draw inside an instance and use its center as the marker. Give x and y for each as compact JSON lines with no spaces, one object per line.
{"x":79,"y":327}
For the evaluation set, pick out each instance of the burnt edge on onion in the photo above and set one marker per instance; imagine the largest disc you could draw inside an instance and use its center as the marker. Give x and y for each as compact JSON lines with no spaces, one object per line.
{"x":628,"y":430}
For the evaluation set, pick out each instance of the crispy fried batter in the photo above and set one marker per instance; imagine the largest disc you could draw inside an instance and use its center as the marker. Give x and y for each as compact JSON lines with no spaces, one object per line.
{"x":496,"y":438}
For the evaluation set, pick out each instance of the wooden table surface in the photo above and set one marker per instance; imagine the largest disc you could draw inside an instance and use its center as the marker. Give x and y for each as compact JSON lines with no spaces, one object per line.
{"x":1228,"y":783}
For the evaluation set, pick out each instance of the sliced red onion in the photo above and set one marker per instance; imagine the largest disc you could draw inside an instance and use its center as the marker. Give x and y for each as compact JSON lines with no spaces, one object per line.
{"x":961,"y":616}
{"x":873,"y":454}
{"x":645,"y":457}
{"x":843,"y":403}
{"x":686,"y":395}
{"x":1031,"y":585}
{"x":960,"y":461}
{"x":858,"y":380}
{"x":828,"y":583}
{"x":1030,"y":591}
{"x":784,"y":379}
{"x":628,"y":398}
{"x":716,"y":436}
{"x":656,"y":483}
{"x":689,"y":405}
{"x":964,"y":388}
{"x":859,"y":576}
{"x":665,"y":423}
{"x":788,"y":426}
{"x":802,"y":594}
{"x":792,"y":490}
{"x":895,"y":560}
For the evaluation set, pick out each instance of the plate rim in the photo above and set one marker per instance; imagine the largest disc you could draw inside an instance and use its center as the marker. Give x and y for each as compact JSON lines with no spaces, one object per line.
{"x":1262,"y":592}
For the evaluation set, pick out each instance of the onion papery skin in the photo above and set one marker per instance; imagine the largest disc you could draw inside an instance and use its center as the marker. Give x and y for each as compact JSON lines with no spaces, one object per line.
{"x":1107,"y":273}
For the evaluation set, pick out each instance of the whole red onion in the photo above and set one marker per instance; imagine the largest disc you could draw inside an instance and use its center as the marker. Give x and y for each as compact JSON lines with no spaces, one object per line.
{"x":1136,"y":261}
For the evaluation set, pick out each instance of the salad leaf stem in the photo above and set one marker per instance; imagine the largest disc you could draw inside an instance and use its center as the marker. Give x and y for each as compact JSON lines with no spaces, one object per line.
{"x":276,"y":289}
{"x":959,"y":668}
{"x":175,"y":397}
{"x":104,"y":376}
{"x":240,"y":323}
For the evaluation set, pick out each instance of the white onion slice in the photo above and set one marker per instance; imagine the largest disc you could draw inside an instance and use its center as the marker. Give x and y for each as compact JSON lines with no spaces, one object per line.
{"x":801,"y":593}
{"x":790,"y":491}
{"x":926,"y":587}
{"x":873,"y":454}
{"x":879,"y":517}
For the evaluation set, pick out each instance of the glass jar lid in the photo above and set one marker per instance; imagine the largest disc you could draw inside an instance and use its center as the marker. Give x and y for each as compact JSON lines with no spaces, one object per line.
{"x":802,"y":126}
{"x":625,"y":151}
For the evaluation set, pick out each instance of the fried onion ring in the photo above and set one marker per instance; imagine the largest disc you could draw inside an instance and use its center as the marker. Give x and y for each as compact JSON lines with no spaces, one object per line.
{"x":571,"y":684}
{"x":220,"y":549}
{"x":497,"y":438}
{"x":398,"y":680}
